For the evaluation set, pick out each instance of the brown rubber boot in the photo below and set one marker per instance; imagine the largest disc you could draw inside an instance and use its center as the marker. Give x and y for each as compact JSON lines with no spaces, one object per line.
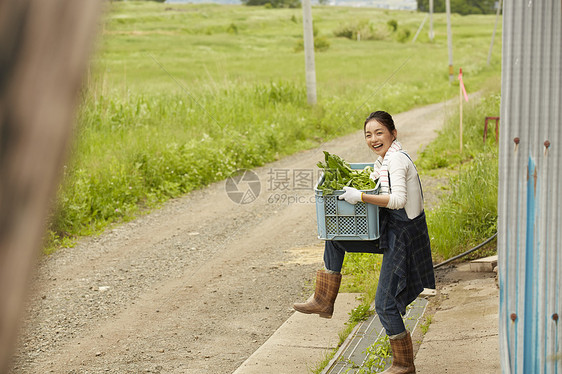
{"x":327,"y":287}
{"x":403,"y":355}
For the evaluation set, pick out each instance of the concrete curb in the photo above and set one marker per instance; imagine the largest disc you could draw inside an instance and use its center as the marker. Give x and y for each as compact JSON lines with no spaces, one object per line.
{"x":301,"y":342}
{"x":463,"y":335}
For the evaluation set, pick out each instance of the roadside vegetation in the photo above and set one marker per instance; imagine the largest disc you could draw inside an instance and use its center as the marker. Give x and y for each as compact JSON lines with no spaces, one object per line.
{"x":180,"y":96}
{"x":467,"y":214}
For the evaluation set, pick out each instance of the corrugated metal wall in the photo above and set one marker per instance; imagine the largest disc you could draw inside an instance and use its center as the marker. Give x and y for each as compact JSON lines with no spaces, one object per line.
{"x":530,"y":221}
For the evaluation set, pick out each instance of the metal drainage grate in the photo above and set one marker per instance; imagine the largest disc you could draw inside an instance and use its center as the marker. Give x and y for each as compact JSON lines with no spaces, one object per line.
{"x":353,"y":353}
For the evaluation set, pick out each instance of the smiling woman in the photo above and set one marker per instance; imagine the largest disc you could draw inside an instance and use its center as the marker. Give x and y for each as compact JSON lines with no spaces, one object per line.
{"x":407,"y":266}
{"x":379,"y":137}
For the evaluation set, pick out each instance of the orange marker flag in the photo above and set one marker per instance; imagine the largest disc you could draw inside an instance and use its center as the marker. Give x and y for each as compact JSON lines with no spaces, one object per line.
{"x":462,"y":92}
{"x":462,"y":85}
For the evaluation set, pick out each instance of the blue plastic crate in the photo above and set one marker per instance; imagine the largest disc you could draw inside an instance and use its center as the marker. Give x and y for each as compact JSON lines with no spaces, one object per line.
{"x":340,"y":220}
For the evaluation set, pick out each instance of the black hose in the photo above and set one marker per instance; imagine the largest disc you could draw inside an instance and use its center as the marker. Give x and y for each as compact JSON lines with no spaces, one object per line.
{"x":467,"y":252}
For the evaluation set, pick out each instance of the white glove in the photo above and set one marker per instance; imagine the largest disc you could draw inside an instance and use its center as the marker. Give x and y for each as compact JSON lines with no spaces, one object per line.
{"x":351,"y":195}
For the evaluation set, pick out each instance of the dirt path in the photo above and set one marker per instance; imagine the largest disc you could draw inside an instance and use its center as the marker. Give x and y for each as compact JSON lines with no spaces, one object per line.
{"x":195,"y":287}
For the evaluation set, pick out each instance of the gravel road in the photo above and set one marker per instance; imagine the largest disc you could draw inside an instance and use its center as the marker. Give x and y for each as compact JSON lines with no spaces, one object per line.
{"x":196,"y":286}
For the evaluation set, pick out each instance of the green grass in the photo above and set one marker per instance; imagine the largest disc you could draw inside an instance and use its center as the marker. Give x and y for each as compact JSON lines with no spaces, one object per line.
{"x":376,"y":353}
{"x":424,"y":327}
{"x":177,"y":99}
{"x":361,"y":274}
{"x":193,"y":43}
{"x":468,"y":214}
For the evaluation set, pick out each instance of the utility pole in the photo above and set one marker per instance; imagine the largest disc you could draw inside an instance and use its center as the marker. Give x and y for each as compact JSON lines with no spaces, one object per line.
{"x":431,"y":20}
{"x":420,"y":28}
{"x":494,"y":33}
{"x":309,"y":52}
{"x":449,"y":39}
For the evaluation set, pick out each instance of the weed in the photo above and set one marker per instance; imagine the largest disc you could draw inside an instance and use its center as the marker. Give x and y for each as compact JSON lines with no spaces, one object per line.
{"x":403,"y":35}
{"x":424,"y":327}
{"x":361,"y":272}
{"x":232,"y":29}
{"x":377,"y":355}
{"x":321,"y":44}
{"x":361,"y":30}
{"x":319,"y":366}
{"x":360,"y":313}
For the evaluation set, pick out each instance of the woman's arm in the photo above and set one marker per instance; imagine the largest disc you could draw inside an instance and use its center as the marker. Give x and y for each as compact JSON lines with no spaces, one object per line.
{"x":397,"y":167}
{"x":380,"y":200}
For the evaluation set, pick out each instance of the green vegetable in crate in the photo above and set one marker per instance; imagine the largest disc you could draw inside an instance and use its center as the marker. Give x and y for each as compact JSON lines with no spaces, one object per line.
{"x":338,"y":174}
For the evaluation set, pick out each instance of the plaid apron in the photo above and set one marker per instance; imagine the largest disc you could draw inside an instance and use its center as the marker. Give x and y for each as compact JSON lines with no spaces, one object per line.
{"x":407,"y":265}
{"x":407,"y":249}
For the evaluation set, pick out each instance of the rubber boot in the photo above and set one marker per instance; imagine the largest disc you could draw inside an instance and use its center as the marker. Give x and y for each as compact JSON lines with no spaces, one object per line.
{"x":403,"y":355}
{"x":327,"y":287}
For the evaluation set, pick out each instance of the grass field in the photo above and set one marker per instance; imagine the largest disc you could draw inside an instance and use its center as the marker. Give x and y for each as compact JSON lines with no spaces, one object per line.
{"x":197,"y":45}
{"x":468,"y":214}
{"x":169,"y":83}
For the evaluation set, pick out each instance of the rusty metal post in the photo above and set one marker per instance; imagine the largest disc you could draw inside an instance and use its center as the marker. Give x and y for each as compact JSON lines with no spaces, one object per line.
{"x":486,"y":127}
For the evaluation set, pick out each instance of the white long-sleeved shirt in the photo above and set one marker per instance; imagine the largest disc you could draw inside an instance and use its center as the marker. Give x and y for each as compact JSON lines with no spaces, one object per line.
{"x":404,"y":184}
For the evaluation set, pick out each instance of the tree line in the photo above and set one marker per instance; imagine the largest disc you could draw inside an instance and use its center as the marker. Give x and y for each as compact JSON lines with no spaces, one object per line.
{"x":460,"y":6}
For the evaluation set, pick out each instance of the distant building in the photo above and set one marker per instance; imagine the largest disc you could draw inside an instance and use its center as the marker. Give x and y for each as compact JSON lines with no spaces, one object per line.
{"x":384,"y":4}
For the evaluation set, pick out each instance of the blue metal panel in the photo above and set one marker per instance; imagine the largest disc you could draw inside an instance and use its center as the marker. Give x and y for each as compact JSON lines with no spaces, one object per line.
{"x":530,"y":186}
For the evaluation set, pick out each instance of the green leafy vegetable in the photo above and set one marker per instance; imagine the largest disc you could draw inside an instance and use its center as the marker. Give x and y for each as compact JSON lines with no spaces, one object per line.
{"x":338,"y":174}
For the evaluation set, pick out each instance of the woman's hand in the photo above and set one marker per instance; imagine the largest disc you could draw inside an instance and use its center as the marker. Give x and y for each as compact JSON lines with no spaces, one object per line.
{"x":351,"y":195}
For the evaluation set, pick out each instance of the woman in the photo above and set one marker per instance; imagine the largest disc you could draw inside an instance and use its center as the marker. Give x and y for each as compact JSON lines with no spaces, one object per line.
{"x":404,"y":241}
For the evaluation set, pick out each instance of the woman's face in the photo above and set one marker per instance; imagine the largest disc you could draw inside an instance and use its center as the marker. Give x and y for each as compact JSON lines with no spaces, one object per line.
{"x":378,"y":137}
